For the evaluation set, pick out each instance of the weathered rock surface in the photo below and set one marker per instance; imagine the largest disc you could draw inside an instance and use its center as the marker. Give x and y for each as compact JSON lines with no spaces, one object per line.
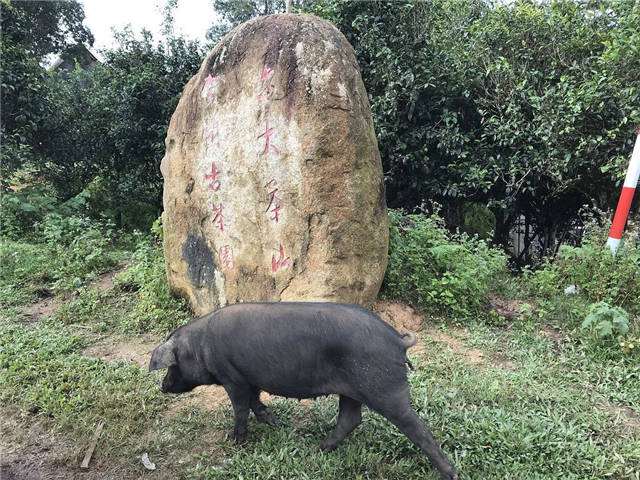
{"x":273,"y":186}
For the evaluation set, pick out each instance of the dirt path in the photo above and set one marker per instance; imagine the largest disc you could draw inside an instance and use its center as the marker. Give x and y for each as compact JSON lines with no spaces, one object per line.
{"x":47,"y":307}
{"x":29,"y":452}
{"x":404,"y":318}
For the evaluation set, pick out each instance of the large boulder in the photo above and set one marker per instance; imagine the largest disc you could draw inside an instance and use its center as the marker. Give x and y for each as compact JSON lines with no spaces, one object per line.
{"x":273,"y":186}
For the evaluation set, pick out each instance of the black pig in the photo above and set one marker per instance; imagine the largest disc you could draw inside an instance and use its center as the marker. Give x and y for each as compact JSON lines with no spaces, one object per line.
{"x":299,"y":350}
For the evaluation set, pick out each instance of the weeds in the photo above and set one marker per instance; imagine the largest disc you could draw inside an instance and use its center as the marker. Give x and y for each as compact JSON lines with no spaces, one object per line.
{"x":155,"y":309}
{"x":74,"y":252}
{"x":434,"y":270}
{"x":42,"y":372}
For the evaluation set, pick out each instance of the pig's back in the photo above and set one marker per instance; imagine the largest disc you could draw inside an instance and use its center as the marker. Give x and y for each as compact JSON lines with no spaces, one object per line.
{"x":309,"y":349}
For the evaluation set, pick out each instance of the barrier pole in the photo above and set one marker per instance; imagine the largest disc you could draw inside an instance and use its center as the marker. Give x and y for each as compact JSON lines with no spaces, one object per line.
{"x":624,"y":204}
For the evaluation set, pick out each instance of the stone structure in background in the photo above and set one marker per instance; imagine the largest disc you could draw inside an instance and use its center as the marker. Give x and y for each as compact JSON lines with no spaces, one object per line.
{"x":273,"y":186}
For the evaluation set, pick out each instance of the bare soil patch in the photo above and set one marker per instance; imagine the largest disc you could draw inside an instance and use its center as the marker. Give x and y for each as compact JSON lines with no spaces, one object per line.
{"x":472,"y":356}
{"x":503,"y":362}
{"x":630,"y":418}
{"x":135,"y":349}
{"x":401,"y":316}
{"x":206,"y":397}
{"x":48,"y":306}
{"x":43,"y":309}
{"x":30,"y":453}
{"x":105,"y":281}
{"x":509,"y":309}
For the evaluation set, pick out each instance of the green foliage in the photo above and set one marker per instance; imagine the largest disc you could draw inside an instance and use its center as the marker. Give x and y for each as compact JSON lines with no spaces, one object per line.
{"x":435,"y":270}
{"x":528,"y":107}
{"x":597,"y":275}
{"x":234,"y":12}
{"x":76,"y":250}
{"x":44,"y":27}
{"x":606,"y":321}
{"x":155,"y":308}
{"x":116,"y":116}
{"x":478,"y":220}
{"x":30,"y":31}
{"x":21,"y":210}
{"x":102,"y":129}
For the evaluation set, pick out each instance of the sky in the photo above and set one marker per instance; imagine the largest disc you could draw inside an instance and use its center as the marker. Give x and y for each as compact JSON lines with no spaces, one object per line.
{"x":192,"y":18}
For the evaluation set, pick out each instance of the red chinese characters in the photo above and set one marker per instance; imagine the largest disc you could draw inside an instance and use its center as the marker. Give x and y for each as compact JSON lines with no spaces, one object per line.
{"x":226,"y":257}
{"x":267,"y":88}
{"x":269,"y":147}
{"x":211,"y":136}
{"x":214,"y":183}
{"x":218,"y":217}
{"x":275,"y":203}
{"x":282,"y":262}
{"x":210,"y":87}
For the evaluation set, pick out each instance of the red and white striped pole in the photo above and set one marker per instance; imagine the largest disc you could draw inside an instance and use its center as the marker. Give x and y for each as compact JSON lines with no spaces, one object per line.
{"x":624,"y":204}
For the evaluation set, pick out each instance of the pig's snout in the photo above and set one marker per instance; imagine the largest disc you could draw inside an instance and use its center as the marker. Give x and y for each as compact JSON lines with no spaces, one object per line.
{"x":161,"y":386}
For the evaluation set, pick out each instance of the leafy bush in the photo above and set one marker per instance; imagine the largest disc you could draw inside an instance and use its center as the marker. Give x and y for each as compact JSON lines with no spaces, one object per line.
{"x":610,"y":332}
{"x":156,"y":309}
{"x":20,"y":210}
{"x":432,"y":269}
{"x":478,"y":220}
{"x":527,"y":107}
{"x":598,"y":276}
{"x":606,"y":321}
{"x":75,"y":249}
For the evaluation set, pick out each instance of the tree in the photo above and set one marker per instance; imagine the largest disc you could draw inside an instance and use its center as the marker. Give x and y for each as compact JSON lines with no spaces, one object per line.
{"x":527,"y":107}
{"x":30,"y":31}
{"x":44,"y":27}
{"x":108,"y":124}
{"x":235,"y":12}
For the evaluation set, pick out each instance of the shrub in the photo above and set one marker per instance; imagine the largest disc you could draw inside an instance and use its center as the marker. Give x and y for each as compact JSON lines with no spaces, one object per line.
{"x":597,"y":275}
{"x":20,"y":210}
{"x":435,"y":270}
{"x":75,"y":249}
{"x":605,"y":321}
{"x":478,"y":220}
{"x":156,"y":309}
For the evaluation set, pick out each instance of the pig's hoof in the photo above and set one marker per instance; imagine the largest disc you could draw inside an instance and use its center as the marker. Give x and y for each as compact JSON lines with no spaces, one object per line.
{"x":268,"y":417}
{"x":240,"y":437}
{"x":326,"y":447}
{"x":451,"y":475}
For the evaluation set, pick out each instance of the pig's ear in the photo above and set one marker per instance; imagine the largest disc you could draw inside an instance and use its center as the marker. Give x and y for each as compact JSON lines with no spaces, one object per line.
{"x":162,"y":357}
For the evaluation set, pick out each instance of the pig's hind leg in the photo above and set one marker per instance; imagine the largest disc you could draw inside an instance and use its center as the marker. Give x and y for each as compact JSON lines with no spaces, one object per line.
{"x":350,"y":417}
{"x":261,"y":411}
{"x":397,"y":409}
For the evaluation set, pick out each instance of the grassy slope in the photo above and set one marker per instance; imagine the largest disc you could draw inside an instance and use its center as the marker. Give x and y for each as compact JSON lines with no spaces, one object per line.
{"x":551,"y":414}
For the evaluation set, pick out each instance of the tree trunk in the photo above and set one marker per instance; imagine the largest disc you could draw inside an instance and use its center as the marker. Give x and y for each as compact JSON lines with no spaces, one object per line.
{"x":501,"y":234}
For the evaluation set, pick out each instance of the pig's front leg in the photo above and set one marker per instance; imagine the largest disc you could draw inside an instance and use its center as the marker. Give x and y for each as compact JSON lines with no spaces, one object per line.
{"x":240,"y":396}
{"x":261,"y":411}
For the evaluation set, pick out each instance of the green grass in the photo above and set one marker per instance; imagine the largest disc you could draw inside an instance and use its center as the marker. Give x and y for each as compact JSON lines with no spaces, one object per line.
{"x":552,"y":413}
{"x":43,"y":373}
{"x":31,"y":271}
{"x":543,"y":419}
